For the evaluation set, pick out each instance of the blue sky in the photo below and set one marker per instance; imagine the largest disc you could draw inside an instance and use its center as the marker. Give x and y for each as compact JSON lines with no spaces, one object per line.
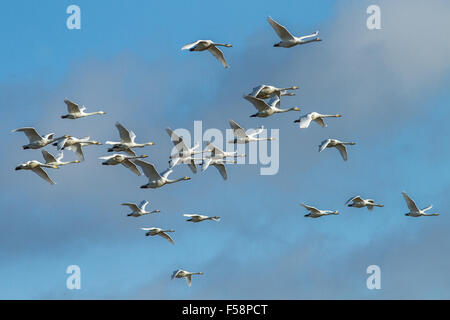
{"x":391,"y":85}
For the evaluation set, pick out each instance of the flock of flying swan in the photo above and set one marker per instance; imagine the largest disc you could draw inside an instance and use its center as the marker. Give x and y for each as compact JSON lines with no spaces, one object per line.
{"x":210,"y":156}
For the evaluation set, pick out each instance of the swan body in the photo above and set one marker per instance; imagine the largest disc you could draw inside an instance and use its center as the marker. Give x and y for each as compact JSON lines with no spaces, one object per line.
{"x":75,"y":144}
{"x":35,"y":139}
{"x":287,"y":39}
{"x":76,"y":112}
{"x":127,"y":142}
{"x":116,"y":159}
{"x":52,"y":160}
{"x":265,"y":110}
{"x":358,"y":202}
{"x":159,"y":232}
{"x":200,"y":218}
{"x":333,"y":143}
{"x":305,"y":120}
{"x":316,"y":213}
{"x":156,"y":180}
{"x":219,"y":164}
{"x":414,"y":211}
{"x":185,"y":274}
{"x":36,"y":167}
{"x":265,"y":92}
{"x":243,"y":137}
{"x":202,"y":45}
{"x":138,"y":211}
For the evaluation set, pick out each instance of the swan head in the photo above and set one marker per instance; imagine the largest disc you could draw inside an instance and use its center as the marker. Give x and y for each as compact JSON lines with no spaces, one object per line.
{"x":318,"y":39}
{"x":338,"y":115}
{"x":186,"y":178}
{"x":145,"y":186}
{"x":276,"y":45}
{"x":102,"y":112}
{"x":336,"y":212}
{"x":228,"y":45}
{"x":157,"y":210}
{"x":96,"y":142}
{"x":296,"y":109}
{"x":77,"y":161}
{"x":144,"y":156}
{"x":295,"y":87}
{"x":105,"y":163}
{"x":271,"y":139}
{"x":19,"y":167}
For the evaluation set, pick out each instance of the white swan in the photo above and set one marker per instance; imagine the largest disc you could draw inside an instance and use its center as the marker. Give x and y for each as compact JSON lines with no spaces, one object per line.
{"x":159,"y":232}
{"x":75,"y":144}
{"x":184,"y":153}
{"x":219,"y":164}
{"x":287,"y":39}
{"x":155,"y":180}
{"x":116,"y":159}
{"x":138,"y":211}
{"x":202,"y":45}
{"x":305,"y":120}
{"x":36,"y":167}
{"x":185,"y":274}
{"x":199,"y":218}
{"x":217,"y":153}
{"x":333,"y":143}
{"x":243,"y":137}
{"x":52,"y":160}
{"x":127,"y":138}
{"x":266,"y":110}
{"x":35,"y":139}
{"x":358,"y":202}
{"x":414,"y":211}
{"x":316,"y":213}
{"x":75,"y":112}
{"x":265,"y":92}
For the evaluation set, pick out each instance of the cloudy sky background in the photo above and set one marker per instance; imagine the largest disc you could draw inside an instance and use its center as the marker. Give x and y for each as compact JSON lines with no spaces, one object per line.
{"x":390,"y":85}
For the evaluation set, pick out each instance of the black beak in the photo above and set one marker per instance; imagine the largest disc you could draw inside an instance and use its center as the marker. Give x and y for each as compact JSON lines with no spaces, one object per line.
{"x":295,"y":121}
{"x":110,"y":150}
{"x":17,"y":168}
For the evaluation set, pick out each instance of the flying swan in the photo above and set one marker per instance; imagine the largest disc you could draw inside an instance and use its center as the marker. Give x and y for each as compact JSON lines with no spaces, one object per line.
{"x":202,"y":45}
{"x":414,"y":211}
{"x":266,"y":110}
{"x":358,"y":202}
{"x":127,"y":138}
{"x":287,"y":39}
{"x":116,"y":159}
{"x":75,"y":112}
{"x":243,"y":137}
{"x":138,"y":211}
{"x":316,"y":213}
{"x":265,"y":92}
{"x":199,"y":218}
{"x":36,"y":167}
{"x":333,"y":143}
{"x":35,"y":139}
{"x":155,"y":180}
{"x":305,"y":120}
{"x":185,"y":274}
{"x":159,"y":232}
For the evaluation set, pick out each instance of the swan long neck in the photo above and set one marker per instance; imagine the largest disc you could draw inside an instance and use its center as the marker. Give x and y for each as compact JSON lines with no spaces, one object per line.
{"x":93,"y":113}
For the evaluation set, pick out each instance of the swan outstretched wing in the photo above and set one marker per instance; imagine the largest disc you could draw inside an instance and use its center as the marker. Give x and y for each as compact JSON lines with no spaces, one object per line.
{"x":48,"y":157}
{"x":148,"y":169}
{"x":191,"y":215}
{"x":130,"y":165}
{"x":124,"y":133}
{"x":130,"y":152}
{"x":281,"y":31}
{"x":206,"y":163}
{"x":132,"y":206}
{"x":41,"y":173}
{"x":177,"y":141}
{"x":189,"y":279}
{"x":190,"y":45}
{"x":216,"y":52}
{"x":259,"y":104}
{"x":31,"y":134}
{"x":166,"y":236}
{"x":305,"y":121}
{"x":309,"y":208}
{"x":143,"y":204}
{"x":324,"y":144}
{"x":222,"y":170}
{"x":256,"y":90}
{"x":76,"y":147}
{"x":192,"y":166}
{"x":320,"y":122}
{"x":71,"y":106}
{"x":354,"y":199}
{"x":410,"y":203}
{"x":315,"y":34}
{"x":427,"y":208}
{"x":237,"y":129}
{"x":343,"y":151}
